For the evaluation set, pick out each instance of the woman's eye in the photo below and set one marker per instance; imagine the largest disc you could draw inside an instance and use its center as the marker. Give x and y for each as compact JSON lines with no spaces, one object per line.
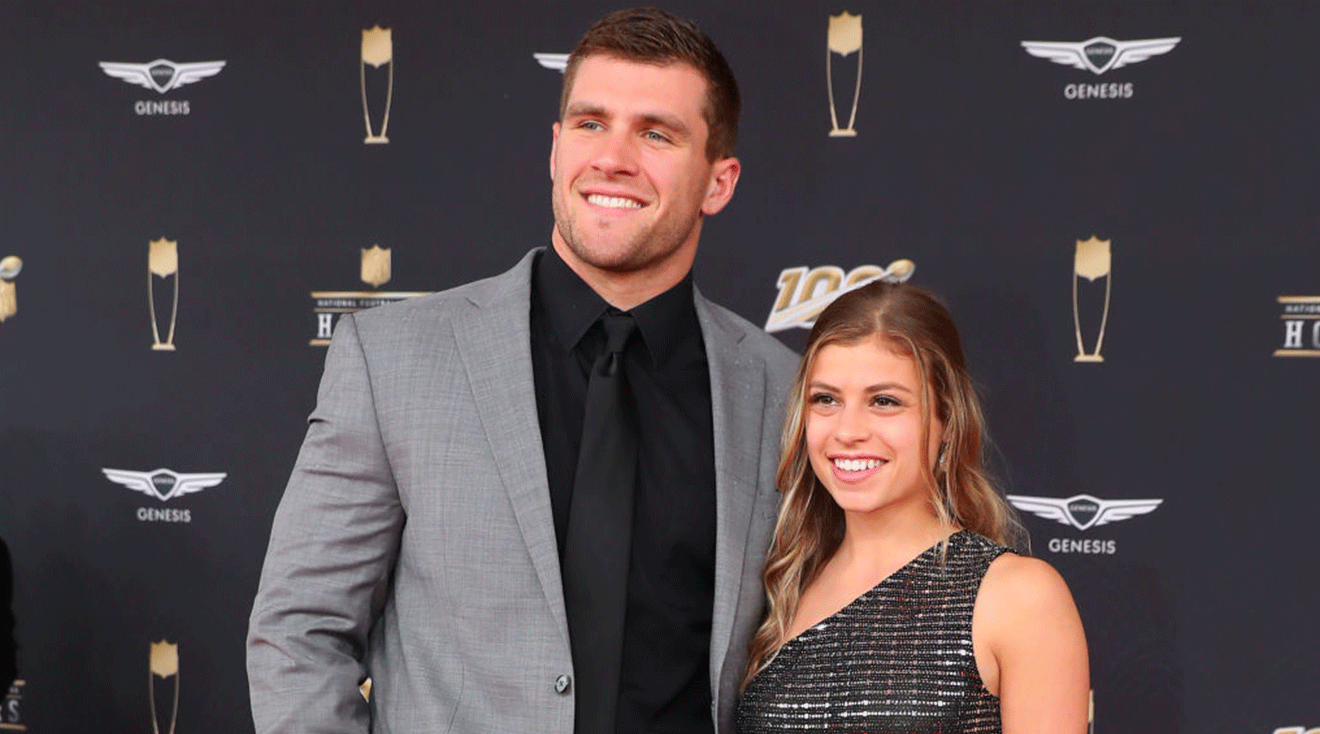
{"x":822,"y":398}
{"x":884,"y":401}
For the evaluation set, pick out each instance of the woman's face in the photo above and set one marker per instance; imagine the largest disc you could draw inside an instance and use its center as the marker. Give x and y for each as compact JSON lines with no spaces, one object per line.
{"x":863,"y":429}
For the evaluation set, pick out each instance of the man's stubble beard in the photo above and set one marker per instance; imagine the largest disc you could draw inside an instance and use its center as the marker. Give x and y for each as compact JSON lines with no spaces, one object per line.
{"x":652,"y":244}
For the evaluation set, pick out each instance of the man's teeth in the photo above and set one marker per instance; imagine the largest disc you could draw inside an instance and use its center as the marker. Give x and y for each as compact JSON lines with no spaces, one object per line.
{"x":857,"y":464}
{"x":613,"y":202}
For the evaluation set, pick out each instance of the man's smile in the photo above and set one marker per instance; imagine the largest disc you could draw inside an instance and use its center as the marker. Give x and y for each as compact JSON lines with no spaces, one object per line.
{"x":613,"y":202}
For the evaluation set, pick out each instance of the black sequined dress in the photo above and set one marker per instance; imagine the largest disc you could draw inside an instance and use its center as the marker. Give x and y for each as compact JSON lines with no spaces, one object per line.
{"x":897,"y":660}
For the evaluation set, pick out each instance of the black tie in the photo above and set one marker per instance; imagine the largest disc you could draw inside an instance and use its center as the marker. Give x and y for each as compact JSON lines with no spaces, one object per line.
{"x":598,"y":550}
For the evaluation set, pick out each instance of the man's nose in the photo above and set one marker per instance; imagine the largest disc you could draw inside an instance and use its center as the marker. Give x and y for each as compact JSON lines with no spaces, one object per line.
{"x":616,"y":154}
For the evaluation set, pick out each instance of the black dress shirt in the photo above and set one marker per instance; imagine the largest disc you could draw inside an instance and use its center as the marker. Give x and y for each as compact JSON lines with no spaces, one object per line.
{"x":665,"y":671}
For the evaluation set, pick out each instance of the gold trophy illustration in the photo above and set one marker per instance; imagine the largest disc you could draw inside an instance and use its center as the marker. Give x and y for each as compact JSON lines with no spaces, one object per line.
{"x":163,"y":261}
{"x":9,"y":268}
{"x":845,"y":37}
{"x":164,"y":665}
{"x":377,"y":50}
{"x":1090,"y":712}
{"x":1091,"y":262}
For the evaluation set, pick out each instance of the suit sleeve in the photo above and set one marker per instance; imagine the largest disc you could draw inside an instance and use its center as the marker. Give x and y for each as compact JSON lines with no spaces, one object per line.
{"x":332,"y":547}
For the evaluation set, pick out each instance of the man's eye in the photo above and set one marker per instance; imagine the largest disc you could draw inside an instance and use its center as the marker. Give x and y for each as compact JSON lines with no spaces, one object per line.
{"x":590,"y":125}
{"x":657,"y":137}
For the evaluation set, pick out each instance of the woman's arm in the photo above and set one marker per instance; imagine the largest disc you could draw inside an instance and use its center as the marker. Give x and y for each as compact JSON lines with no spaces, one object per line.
{"x":1030,"y":647}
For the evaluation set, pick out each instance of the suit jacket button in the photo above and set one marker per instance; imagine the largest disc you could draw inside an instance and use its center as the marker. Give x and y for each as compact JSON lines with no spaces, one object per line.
{"x":562,"y":682}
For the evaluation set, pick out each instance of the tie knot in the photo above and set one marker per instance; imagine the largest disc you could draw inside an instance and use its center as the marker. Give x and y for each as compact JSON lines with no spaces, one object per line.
{"x":619,"y":327}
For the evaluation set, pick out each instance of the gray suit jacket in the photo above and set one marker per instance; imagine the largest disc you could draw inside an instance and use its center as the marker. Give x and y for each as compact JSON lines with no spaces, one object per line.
{"x":415,"y":545}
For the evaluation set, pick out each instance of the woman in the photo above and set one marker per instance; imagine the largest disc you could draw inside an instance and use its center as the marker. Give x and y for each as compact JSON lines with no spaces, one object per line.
{"x":894,"y":604}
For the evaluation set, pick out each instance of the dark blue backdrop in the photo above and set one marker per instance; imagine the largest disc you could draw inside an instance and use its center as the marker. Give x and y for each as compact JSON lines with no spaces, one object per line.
{"x":980,"y":162}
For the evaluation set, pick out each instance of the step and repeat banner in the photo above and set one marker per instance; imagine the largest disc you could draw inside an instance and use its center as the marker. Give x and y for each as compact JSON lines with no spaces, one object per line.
{"x":1117,"y":199}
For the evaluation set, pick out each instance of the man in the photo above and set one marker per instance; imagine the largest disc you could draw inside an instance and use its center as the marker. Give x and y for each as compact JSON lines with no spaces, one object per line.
{"x":442,"y":532}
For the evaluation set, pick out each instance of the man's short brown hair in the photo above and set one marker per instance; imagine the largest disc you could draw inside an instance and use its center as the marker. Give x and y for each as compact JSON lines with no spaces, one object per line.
{"x":653,"y":36}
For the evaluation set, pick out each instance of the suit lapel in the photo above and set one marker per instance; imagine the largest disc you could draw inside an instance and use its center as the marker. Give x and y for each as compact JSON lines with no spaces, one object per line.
{"x":494,"y":342}
{"x":737,"y":386}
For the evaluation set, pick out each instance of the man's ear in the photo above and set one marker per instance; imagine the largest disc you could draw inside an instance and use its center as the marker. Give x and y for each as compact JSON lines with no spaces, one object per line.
{"x":723,"y":180}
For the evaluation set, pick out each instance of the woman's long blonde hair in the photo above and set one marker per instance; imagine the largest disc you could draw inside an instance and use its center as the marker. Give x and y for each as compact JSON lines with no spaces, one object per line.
{"x":911,"y":321}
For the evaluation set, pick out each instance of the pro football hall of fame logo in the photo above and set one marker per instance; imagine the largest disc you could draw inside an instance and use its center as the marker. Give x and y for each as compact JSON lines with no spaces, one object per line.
{"x":328,"y":306}
{"x":804,"y":293}
{"x":11,"y":710}
{"x":1301,"y":326}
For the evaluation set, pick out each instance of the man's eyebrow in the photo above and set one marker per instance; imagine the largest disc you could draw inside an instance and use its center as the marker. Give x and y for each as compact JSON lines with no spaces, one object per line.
{"x":663,"y":120}
{"x":588,"y":109}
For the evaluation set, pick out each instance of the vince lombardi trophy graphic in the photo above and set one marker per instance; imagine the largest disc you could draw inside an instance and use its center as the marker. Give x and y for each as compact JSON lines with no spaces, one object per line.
{"x":162,"y":262}
{"x":9,"y":268}
{"x":845,"y":37}
{"x":377,"y":51}
{"x":164,"y":665}
{"x":1091,"y":263}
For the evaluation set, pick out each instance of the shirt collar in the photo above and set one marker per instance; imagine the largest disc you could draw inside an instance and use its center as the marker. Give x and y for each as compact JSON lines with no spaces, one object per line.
{"x":571,"y":307}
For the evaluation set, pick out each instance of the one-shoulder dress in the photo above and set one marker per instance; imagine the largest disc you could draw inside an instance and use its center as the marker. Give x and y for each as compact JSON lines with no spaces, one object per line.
{"x":896,"y":660}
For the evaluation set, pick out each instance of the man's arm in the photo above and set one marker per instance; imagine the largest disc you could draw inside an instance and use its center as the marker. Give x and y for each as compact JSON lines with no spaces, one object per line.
{"x":332,"y":548}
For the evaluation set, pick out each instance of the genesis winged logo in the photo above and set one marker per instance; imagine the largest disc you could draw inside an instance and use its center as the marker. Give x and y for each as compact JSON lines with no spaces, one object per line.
{"x":1083,"y":511}
{"x":1100,"y":54}
{"x":554,"y":62}
{"x":163,"y":484}
{"x":161,"y":75}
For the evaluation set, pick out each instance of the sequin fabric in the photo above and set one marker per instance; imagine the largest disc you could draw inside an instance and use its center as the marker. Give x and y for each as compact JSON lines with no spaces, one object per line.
{"x":897,"y":660}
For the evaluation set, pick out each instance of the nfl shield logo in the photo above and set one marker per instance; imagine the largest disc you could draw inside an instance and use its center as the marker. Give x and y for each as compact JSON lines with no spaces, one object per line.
{"x":375,"y":266}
